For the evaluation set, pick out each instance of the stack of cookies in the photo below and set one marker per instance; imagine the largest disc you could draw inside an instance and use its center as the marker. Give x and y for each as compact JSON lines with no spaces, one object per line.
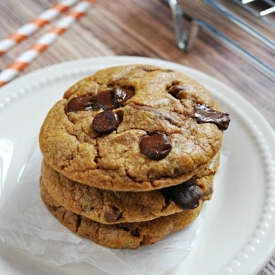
{"x":129,"y":154}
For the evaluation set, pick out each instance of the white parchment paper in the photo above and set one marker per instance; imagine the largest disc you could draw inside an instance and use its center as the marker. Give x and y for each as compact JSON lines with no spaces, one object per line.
{"x":25,"y":223}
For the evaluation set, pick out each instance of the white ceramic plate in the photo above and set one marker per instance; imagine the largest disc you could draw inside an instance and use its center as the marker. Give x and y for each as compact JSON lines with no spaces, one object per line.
{"x":238,"y":233}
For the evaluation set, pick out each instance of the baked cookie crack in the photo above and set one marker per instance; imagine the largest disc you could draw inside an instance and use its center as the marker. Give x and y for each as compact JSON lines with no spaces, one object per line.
{"x":171,"y":117}
{"x":78,"y":222}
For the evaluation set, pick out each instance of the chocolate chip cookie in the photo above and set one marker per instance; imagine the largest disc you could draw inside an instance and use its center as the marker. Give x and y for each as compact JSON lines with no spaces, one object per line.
{"x":133,"y":128}
{"x":123,"y":235}
{"x":112,"y":207}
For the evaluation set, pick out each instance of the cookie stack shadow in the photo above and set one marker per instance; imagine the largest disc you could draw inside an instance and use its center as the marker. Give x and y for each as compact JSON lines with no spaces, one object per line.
{"x":127,"y":155}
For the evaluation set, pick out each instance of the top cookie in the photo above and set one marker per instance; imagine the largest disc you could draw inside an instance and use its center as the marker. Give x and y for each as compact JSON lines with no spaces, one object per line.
{"x":133,"y":128}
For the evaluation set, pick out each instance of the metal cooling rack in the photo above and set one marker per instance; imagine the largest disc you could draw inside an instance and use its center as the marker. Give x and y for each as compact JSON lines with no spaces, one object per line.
{"x":264,"y":9}
{"x":186,"y":36}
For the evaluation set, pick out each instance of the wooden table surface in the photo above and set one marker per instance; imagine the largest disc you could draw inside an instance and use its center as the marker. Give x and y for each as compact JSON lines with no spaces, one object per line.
{"x":143,"y":28}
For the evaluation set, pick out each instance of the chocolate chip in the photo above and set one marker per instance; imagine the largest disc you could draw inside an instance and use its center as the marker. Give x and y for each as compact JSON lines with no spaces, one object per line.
{"x":80,"y":103}
{"x":156,"y":146}
{"x":175,"y":89}
{"x":204,"y":114}
{"x":103,"y":100}
{"x":105,"y":122}
{"x":121,"y":95}
{"x":113,"y":214}
{"x":186,"y":195}
{"x":113,"y":98}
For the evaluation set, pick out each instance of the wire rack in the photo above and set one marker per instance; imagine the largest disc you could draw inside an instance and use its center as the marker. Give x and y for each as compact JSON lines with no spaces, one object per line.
{"x":186,"y":35}
{"x":264,"y":9}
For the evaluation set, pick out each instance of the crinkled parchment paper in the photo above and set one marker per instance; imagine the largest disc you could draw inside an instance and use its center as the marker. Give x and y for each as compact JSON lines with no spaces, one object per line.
{"x":25,"y":223}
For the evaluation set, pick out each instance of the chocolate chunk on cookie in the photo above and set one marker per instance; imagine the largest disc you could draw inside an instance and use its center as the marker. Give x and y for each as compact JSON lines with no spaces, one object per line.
{"x":156,"y":146}
{"x":113,"y":214}
{"x":80,"y":103}
{"x":105,"y":122}
{"x":204,"y":114}
{"x":186,"y":195}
